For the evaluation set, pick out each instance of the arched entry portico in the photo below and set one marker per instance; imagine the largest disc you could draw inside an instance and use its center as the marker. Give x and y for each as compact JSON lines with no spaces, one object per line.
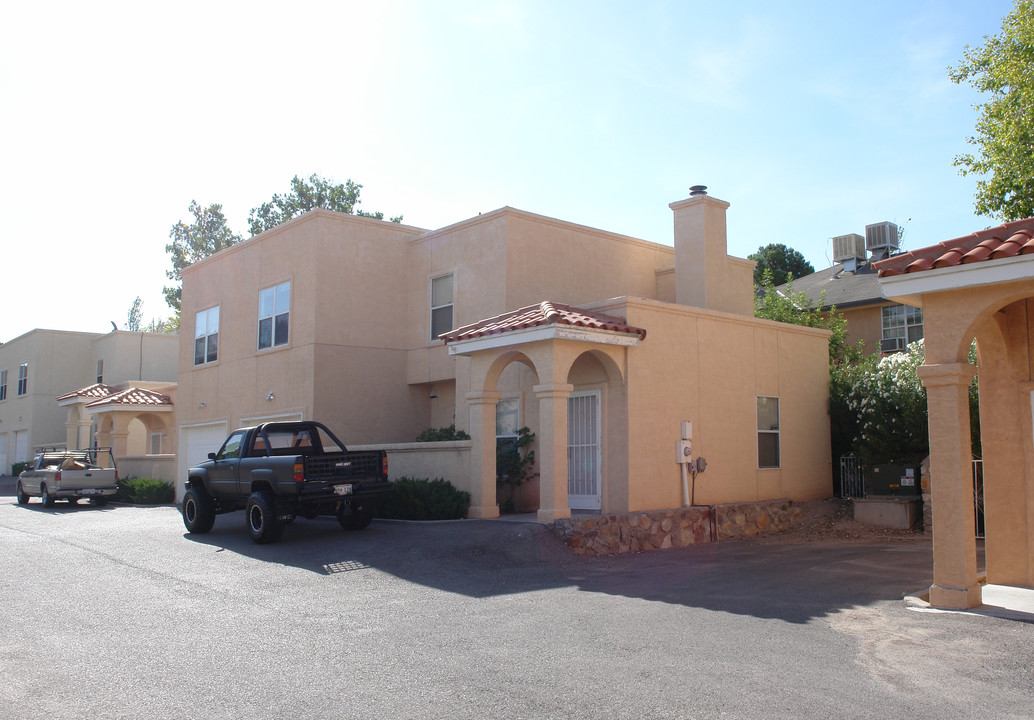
{"x":562,"y":345}
{"x":982,"y":288}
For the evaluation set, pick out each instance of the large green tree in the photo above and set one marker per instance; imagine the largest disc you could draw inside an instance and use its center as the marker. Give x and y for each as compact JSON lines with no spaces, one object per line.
{"x":305,"y":196}
{"x":208,"y":234}
{"x":783,"y":262}
{"x":1003,"y":70}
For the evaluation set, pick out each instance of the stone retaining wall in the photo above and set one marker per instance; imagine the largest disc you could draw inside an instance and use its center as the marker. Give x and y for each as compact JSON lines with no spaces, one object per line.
{"x":680,"y":527}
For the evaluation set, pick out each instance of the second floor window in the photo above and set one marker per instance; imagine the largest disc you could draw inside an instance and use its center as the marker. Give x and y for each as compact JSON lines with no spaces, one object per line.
{"x":274,"y":315}
{"x":100,"y":371}
{"x":3,"y":384}
{"x":902,"y":324}
{"x":441,"y":305}
{"x":206,"y":336}
{"x":23,"y":378}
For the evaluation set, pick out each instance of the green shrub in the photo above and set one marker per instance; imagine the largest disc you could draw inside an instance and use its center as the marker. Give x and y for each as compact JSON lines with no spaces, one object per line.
{"x":442,"y":434}
{"x":423,"y":499}
{"x":145,"y":491}
{"x":18,"y":467}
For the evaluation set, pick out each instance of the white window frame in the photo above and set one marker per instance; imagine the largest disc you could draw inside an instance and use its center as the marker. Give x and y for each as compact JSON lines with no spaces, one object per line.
{"x":100,"y":371}
{"x":274,"y":314}
{"x":203,"y":321}
{"x":450,"y":305}
{"x":516,"y":405}
{"x":156,"y":437}
{"x":23,"y":379}
{"x":905,"y":326}
{"x":3,"y":384}
{"x":769,"y":431}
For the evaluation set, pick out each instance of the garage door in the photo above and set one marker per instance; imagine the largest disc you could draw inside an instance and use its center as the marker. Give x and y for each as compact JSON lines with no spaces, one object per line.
{"x":4,"y":467}
{"x":200,"y":440}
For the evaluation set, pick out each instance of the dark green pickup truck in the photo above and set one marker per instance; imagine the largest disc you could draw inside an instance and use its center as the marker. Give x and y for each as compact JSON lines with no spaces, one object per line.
{"x":276,"y":472}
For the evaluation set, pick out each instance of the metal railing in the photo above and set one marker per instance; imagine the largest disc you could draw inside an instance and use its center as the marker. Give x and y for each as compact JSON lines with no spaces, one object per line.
{"x":978,"y":497}
{"x":851,"y":483}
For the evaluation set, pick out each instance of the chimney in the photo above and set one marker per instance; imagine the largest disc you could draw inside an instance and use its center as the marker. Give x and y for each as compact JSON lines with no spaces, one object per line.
{"x":705,"y":275}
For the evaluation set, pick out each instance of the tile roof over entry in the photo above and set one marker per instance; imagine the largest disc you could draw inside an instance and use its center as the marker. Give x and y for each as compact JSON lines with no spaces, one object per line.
{"x":541,"y":315}
{"x":135,"y":397}
{"x":89,"y":393}
{"x":1008,"y":240}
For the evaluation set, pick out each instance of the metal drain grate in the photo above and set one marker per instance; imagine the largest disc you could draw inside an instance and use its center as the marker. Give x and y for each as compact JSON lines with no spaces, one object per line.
{"x":345,"y":566}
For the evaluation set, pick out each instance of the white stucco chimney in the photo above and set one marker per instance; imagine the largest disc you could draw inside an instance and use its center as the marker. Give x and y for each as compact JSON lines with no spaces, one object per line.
{"x":705,"y":275}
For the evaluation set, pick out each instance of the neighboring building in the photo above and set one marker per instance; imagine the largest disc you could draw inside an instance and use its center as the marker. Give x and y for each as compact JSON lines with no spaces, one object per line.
{"x":41,"y":366}
{"x":980,"y":287}
{"x":851,"y":285}
{"x":601,"y":344}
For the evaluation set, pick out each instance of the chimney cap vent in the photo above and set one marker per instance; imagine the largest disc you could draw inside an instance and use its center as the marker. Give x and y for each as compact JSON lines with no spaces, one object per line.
{"x":697,"y":190}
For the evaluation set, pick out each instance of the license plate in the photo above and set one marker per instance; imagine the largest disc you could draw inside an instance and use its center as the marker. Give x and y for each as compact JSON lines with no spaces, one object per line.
{"x":343,"y":489}
{"x":92,"y":491}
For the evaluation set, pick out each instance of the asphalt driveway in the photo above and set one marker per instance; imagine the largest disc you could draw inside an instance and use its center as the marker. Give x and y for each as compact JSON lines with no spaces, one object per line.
{"x":116,"y":613}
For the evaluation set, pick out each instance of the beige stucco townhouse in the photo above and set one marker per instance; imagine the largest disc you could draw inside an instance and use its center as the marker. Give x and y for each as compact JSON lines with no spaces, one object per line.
{"x":71,"y":389}
{"x":604,"y":345}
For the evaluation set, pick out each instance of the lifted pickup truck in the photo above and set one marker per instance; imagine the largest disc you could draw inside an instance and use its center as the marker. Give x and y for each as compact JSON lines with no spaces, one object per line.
{"x":278,"y":471}
{"x":69,"y":475}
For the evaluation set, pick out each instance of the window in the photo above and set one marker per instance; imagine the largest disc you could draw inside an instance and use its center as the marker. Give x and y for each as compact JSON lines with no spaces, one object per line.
{"x":507,"y":421}
{"x":902,"y":324}
{"x":156,"y":443}
{"x":441,"y":305}
{"x":232,"y":447}
{"x":100,"y":371}
{"x":3,"y":384}
{"x":23,"y":378}
{"x":768,"y":432}
{"x":206,"y":336}
{"x":274,"y":315}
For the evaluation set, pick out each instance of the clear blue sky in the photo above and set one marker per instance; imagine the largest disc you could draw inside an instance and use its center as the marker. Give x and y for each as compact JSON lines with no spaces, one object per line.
{"x":811,"y":118}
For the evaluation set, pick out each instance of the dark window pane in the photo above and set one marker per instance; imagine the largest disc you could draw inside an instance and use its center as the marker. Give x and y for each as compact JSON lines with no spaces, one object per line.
{"x":768,"y":450}
{"x":213,"y":348}
{"x":441,"y":321}
{"x":265,"y":333}
{"x":281,"y":329}
{"x":199,"y":351}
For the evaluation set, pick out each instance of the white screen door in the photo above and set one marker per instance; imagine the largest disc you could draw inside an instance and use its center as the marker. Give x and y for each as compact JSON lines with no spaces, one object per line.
{"x":583,"y":450}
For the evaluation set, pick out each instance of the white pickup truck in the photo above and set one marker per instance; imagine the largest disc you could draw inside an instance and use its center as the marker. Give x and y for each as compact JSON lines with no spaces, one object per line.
{"x":69,"y":475}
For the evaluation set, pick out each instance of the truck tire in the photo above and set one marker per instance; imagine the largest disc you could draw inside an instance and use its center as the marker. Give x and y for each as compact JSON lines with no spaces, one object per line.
{"x":353,"y":518}
{"x":23,"y":497}
{"x":99,"y":501}
{"x":198,"y":510}
{"x":263,"y":524}
{"x":45,"y":496}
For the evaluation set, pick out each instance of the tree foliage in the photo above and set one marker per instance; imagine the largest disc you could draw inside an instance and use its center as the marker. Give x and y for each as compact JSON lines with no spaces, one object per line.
{"x":783,"y":262}
{"x":795,"y":307}
{"x":305,"y":196}
{"x":135,"y":315}
{"x":209,"y":233}
{"x":1002,"y":69}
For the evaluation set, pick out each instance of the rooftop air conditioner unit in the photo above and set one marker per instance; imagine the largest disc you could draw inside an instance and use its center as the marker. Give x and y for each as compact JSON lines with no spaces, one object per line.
{"x":848,"y":247}
{"x":881,"y":238}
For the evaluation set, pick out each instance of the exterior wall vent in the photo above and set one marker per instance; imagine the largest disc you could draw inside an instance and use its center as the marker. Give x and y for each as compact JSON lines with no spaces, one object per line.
{"x":881,"y":238}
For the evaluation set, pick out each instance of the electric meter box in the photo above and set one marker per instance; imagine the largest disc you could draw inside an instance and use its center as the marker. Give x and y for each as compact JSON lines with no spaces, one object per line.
{"x":685,"y":451}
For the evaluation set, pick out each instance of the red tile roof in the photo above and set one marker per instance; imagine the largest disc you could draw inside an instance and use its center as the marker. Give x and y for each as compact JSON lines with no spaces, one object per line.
{"x":133,"y":396}
{"x":1008,"y":240}
{"x":542,"y":315}
{"x":95,"y":391}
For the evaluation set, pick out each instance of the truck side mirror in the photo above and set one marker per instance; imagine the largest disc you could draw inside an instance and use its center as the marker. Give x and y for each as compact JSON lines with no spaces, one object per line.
{"x":211,"y":456}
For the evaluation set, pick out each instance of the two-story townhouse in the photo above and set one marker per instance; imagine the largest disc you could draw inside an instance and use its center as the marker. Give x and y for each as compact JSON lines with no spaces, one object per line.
{"x":41,"y":366}
{"x":602,"y":344}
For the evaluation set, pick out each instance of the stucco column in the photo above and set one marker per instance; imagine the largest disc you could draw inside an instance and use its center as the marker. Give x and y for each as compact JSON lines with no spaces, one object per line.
{"x":483,"y":503}
{"x":951,"y":478}
{"x":83,"y":433}
{"x":119,"y":443}
{"x":553,"y":450}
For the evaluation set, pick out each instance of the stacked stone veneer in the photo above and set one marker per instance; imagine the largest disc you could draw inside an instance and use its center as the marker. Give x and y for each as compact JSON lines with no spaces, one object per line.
{"x":680,"y":527}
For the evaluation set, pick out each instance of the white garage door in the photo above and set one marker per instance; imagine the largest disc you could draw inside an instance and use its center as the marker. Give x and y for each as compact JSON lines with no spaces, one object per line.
{"x":4,"y":467}
{"x":195,"y":444}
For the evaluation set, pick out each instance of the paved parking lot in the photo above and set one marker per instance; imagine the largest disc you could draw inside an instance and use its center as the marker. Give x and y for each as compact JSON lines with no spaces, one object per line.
{"x":116,"y":613}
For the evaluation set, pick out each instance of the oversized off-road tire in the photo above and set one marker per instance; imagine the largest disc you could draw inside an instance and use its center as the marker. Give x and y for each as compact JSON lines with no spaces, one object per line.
{"x":198,"y":510}
{"x":353,"y":517}
{"x":23,"y":497}
{"x":263,"y":524}
{"x":45,"y":496}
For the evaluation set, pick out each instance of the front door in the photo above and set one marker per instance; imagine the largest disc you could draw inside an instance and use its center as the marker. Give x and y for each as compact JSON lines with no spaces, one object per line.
{"x":583,"y":450}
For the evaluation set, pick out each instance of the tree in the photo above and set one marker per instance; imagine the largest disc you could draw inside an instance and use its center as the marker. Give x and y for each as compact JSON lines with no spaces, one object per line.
{"x":305,"y":196}
{"x":784,"y":262}
{"x":208,"y":234}
{"x":1003,"y":70}
{"x":135,"y":313}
